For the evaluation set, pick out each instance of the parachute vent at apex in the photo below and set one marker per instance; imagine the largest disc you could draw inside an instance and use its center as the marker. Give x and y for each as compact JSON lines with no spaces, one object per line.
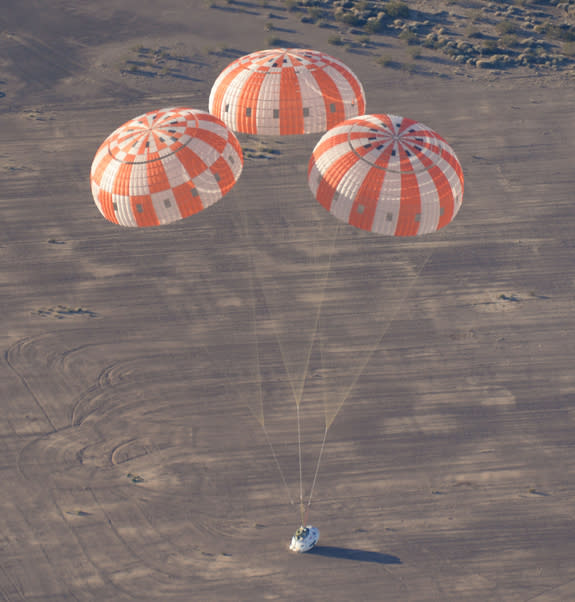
{"x":387,"y":174}
{"x":163,"y":166}
{"x":285,"y":91}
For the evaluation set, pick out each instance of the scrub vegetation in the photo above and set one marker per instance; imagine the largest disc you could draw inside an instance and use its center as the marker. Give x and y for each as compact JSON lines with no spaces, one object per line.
{"x":538,"y":34}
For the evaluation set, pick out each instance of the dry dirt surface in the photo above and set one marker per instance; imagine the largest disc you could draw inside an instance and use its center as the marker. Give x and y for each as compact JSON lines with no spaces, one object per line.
{"x":148,"y":378}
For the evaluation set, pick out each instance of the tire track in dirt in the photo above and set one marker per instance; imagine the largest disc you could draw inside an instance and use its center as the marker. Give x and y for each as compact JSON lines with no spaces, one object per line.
{"x":62,"y":451}
{"x":10,"y":356}
{"x":85,"y":548}
{"x":85,"y":455}
{"x":14,"y":592}
{"x":40,"y":62}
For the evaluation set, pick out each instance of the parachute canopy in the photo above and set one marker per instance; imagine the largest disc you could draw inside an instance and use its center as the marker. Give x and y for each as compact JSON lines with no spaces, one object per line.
{"x":284,"y":91}
{"x":387,"y":174}
{"x":163,"y":166}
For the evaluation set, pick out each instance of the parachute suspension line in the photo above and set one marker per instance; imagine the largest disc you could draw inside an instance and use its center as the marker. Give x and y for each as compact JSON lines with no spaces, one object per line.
{"x":318,"y":313}
{"x":329,"y":421}
{"x":363,"y":366}
{"x":261,"y":418}
{"x":277,"y":337}
{"x":297,"y":392}
{"x":316,"y":473}
{"x":301,"y":508}
{"x":265,"y":430}
{"x":255,"y":324}
{"x":303,"y":513}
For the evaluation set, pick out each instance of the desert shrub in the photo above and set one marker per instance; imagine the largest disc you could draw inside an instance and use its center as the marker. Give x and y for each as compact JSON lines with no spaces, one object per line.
{"x":335,"y":40}
{"x":291,"y":5}
{"x":506,"y":27}
{"x":362,"y":5}
{"x":409,"y":36}
{"x":539,"y":28}
{"x":476,"y":16}
{"x":473,"y":4}
{"x":430,"y":40}
{"x":472,"y":32}
{"x":415,"y":53}
{"x":510,"y":40}
{"x":315,"y":12}
{"x":563,"y":32}
{"x":374,"y":25}
{"x":384,"y":60}
{"x":397,"y":9}
{"x":490,"y":63}
{"x":489,"y":47}
{"x":349,"y":18}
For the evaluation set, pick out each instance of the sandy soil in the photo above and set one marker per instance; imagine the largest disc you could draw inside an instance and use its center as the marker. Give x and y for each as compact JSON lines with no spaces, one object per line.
{"x":147,"y":375}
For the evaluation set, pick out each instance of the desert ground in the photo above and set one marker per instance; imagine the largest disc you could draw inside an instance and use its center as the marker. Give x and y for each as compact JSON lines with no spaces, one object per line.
{"x":148,"y":446}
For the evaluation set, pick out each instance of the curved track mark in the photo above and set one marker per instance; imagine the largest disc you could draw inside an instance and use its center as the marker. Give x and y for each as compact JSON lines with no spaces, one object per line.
{"x":9,"y":354}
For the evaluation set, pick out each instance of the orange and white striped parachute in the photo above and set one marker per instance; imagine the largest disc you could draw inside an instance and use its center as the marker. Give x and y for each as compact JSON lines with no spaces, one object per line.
{"x":284,"y":91}
{"x":387,"y":174}
{"x":163,"y":166}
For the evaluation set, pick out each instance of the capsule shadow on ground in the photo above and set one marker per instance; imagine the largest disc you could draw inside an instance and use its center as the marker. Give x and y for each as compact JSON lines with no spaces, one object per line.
{"x":355,"y":554}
